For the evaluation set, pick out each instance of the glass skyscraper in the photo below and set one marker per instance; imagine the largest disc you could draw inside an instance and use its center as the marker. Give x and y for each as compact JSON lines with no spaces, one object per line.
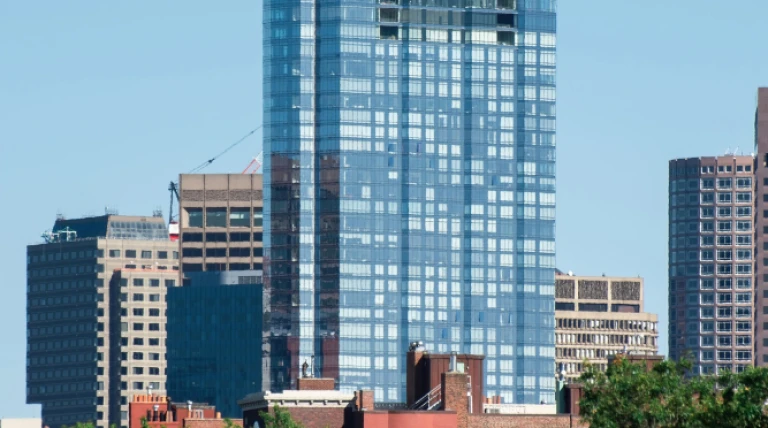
{"x":410,"y":189}
{"x":214,"y":351}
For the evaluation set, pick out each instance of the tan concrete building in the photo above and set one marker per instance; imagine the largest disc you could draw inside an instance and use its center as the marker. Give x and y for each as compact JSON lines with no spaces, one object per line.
{"x":221,"y":218}
{"x":596,"y":317}
{"x":96,"y":316}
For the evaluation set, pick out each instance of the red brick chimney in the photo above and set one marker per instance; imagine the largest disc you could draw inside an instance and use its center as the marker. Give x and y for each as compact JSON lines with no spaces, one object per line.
{"x":454,"y":396}
{"x":364,"y":400}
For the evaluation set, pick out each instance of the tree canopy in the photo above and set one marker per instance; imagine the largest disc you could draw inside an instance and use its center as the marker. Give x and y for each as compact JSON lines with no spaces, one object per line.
{"x":281,"y":419}
{"x":628,"y":395}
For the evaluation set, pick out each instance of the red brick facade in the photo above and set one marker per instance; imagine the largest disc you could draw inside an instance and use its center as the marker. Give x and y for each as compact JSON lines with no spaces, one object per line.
{"x":318,"y":417}
{"x":364,"y":400}
{"x":315,"y":384}
{"x":210,"y":423}
{"x":524,"y":421}
{"x":454,"y":396}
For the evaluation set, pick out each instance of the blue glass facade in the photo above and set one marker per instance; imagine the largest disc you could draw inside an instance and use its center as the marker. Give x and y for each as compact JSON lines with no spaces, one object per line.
{"x":410,"y":189}
{"x":212,"y":357}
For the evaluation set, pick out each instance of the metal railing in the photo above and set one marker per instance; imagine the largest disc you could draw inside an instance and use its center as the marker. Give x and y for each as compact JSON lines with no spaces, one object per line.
{"x":429,"y":401}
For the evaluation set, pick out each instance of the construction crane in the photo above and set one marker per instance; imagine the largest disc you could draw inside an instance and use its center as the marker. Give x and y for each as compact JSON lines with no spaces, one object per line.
{"x":257,"y":161}
{"x":173,"y":225}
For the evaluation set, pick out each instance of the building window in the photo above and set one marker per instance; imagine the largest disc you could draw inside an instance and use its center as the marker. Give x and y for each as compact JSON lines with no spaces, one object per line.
{"x":239,"y":217}
{"x":138,"y":355}
{"x":239,"y":252}
{"x":170,"y":283}
{"x":138,"y":297}
{"x":192,"y":252}
{"x":138,"y":282}
{"x":215,"y":252}
{"x":189,"y":237}
{"x":724,"y":183}
{"x":744,"y":326}
{"x":239,"y":237}
{"x":138,"y":326}
{"x":154,"y":297}
{"x":162,"y":255}
{"x":146,"y":254}
{"x":154,"y":282}
{"x":130,"y":254}
{"x":154,"y":312}
{"x":258,"y":216}
{"x":138,"y":312}
{"x":113,"y":254}
{"x":216,"y":217}
{"x":216,"y":237}
{"x":138,"y":386}
{"x":194,"y":217}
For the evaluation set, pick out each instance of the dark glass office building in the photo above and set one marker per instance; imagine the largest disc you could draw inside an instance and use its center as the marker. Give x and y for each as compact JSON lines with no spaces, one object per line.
{"x":409,"y":189}
{"x":214,"y":345}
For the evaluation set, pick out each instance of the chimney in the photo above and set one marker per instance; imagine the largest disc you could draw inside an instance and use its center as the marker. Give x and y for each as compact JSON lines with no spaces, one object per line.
{"x":416,"y":383}
{"x":454,"y":396}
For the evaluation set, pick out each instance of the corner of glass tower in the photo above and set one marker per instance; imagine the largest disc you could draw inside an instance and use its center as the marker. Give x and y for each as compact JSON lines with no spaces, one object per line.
{"x":410,"y":189}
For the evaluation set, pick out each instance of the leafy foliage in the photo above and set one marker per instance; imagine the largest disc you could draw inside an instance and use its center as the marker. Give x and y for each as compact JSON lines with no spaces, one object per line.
{"x":229,"y":424}
{"x":281,"y":419}
{"x":628,"y":395}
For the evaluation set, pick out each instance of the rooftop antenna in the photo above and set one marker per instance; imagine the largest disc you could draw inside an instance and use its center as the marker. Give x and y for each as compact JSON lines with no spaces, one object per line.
{"x":157,"y":212}
{"x":728,"y":151}
{"x":110,"y":210}
{"x":60,"y":216}
{"x":735,"y":152}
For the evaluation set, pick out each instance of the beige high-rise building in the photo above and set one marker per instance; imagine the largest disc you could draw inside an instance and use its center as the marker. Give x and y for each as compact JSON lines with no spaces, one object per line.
{"x":221,"y":217}
{"x":600,"y":316}
{"x":96,"y":317}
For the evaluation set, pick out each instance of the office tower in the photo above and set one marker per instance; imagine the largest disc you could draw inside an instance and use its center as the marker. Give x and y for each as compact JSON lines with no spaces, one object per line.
{"x":711,"y":259}
{"x":96,"y":316}
{"x":221,"y":222}
{"x":215,"y":318}
{"x":410,"y":189}
{"x":599,"y":316}
{"x":214,"y":338}
{"x":761,"y":228}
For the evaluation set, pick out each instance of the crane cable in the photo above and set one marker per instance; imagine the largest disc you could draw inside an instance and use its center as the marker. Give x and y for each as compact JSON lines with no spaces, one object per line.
{"x":210,"y":161}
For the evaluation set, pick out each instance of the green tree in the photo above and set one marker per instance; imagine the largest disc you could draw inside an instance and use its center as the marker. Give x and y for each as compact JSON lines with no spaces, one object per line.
{"x":281,"y":419}
{"x":229,"y":424}
{"x":628,"y":395}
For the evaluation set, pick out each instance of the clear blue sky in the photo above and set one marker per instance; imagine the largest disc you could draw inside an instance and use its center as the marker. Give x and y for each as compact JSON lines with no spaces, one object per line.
{"x":103,"y":103}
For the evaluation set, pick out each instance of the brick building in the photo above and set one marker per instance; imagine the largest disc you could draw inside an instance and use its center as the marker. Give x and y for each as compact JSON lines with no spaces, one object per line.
{"x":453,"y":383}
{"x":160,"y":412}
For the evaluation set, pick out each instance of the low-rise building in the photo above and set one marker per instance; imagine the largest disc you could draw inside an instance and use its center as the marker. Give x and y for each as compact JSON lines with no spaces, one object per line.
{"x":21,"y":423}
{"x":443,"y":391}
{"x":160,"y":412}
{"x":596,"y":317}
